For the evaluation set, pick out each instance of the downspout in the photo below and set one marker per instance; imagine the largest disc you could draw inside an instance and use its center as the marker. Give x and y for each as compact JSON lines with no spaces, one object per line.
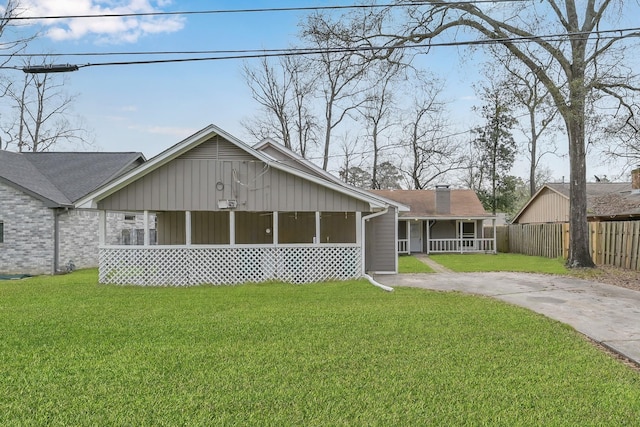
{"x":363,"y":250}
{"x":56,"y":238}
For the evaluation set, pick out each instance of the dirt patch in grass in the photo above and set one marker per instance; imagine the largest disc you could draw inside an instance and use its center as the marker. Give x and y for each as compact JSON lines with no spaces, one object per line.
{"x":616,"y":276}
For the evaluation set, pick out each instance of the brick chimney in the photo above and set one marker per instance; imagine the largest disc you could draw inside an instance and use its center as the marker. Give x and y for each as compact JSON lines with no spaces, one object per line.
{"x":443,"y":199}
{"x":635,"y":178}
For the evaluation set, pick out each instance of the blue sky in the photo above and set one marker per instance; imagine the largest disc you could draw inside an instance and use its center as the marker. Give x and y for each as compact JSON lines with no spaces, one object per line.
{"x":148,"y":108}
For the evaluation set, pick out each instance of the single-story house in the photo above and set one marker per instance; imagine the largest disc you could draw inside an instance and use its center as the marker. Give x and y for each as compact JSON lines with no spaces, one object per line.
{"x":606,"y":201}
{"x":443,"y":220}
{"x":40,"y":231}
{"x":227,"y":212}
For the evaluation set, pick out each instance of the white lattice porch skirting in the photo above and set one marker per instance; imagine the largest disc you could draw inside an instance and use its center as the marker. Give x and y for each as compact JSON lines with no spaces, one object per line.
{"x":185,"y":266}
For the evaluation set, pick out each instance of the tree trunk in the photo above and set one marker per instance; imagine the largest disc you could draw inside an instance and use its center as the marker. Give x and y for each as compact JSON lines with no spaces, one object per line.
{"x":534,"y":154}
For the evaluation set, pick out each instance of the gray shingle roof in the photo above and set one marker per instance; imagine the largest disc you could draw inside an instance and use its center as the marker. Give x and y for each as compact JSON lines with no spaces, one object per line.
{"x":607,"y":199}
{"x":17,"y":171}
{"x":60,"y":179}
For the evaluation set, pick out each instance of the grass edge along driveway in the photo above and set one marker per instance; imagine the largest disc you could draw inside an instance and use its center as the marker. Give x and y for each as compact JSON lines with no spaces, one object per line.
{"x":345,"y":353}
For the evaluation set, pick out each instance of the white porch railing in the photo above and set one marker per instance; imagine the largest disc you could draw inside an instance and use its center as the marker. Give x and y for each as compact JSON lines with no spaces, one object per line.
{"x":403,"y":246}
{"x":461,"y":245}
{"x":185,"y":266}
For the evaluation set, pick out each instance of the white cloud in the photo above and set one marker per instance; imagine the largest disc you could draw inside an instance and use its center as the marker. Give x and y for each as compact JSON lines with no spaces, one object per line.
{"x":106,"y":29}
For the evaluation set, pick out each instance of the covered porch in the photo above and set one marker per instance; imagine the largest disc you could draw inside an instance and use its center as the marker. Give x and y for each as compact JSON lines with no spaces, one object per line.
{"x":438,"y":235}
{"x":227,"y":247}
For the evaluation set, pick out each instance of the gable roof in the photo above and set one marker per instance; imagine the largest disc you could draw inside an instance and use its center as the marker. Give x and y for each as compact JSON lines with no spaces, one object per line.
{"x":604,"y":199}
{"x":182,"y":147}
{"x":295,"y":160}
{"x":59,"y":179}
{"x":463,"y":203}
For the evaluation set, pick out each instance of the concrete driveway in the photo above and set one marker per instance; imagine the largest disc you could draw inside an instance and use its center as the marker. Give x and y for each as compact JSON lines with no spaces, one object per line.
{"x":608,"y":314}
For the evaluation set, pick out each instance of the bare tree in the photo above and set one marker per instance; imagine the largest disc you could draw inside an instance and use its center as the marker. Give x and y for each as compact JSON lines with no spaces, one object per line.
{"x":431,"y":153}
{"x":340,"y":73}
{"x":353,"y":170}
{"x":285,"y":91}
{"x":576,"y":62}
{"x":532,"y":97}
{"x":379,"y":111}
{"x":271,"y":90}
{"x":42,"y":113}
{"x":623,"y":137}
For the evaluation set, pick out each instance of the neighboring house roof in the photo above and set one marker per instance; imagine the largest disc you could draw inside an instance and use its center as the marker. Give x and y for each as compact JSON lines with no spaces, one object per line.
{"x":204,"y":135}
{"x":59,"y":179}
{"x":422,"y":203}
{"x":604,"y":199}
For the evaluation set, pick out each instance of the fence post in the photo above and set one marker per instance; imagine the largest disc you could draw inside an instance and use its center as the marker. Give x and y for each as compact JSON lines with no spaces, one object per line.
{"x":593,"y":240}
{"x":565,"y":240}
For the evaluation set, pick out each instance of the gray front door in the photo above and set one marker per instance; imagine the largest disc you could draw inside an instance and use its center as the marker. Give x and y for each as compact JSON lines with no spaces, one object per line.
{"x":415,"y":236}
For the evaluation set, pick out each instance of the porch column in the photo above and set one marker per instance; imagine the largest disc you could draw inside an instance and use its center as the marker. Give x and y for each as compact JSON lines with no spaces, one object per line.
{"x":358,"y":229}
{"x":187,"y":226}
{"x":232,"y":228}
{"x":274,"y":228}
{"x":460,"y":228}
{"x":317,"y":239}
{"x":102,"y":228}
{"x":428,"y":233}
{"x":146,"y":228}
{"x":408,"y":226}
{"x":495,"y":248}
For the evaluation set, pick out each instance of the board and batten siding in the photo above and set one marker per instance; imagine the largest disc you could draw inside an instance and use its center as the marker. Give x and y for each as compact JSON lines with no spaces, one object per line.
{"x":548,"y":206}
{"x":197,"y":180}
{"x":380,"y":243}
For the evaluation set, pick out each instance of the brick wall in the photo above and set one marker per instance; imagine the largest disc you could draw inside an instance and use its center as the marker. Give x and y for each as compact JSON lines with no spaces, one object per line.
{"x":28,"y":233}
{"x":28,"y":246}
{"x":79,"y":235}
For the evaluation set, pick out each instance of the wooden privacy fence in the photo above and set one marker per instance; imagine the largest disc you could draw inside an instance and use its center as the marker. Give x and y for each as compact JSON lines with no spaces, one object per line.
{"x":614,"y":243}
{"x":530,"y":239}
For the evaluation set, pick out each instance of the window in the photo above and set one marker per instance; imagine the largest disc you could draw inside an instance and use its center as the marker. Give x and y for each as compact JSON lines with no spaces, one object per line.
{"x":1,"y":232}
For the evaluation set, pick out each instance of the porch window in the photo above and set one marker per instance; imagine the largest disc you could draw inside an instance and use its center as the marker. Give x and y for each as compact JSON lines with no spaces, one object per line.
{"x":254,"y":228}
{"x":467,"y":231}
{"x":296,"y":227}
{"x":338,"y":227}
{"x":210,"y":228}
{"x":402,"y":229}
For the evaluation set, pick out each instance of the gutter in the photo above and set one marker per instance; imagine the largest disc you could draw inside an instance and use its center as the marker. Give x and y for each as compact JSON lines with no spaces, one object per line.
{"x":364,"y":273}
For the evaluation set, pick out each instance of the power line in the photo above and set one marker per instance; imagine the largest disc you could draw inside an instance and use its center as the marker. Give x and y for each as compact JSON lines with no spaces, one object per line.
{"x":550,"y":37}
{"x":252,"y":54}
{"x":256,"y":10}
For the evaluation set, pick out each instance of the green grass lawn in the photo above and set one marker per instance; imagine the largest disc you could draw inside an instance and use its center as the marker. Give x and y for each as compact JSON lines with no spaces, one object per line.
{"x":410,"y":264}
{"x":77,"y":353}
{"x":500,"y":262}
